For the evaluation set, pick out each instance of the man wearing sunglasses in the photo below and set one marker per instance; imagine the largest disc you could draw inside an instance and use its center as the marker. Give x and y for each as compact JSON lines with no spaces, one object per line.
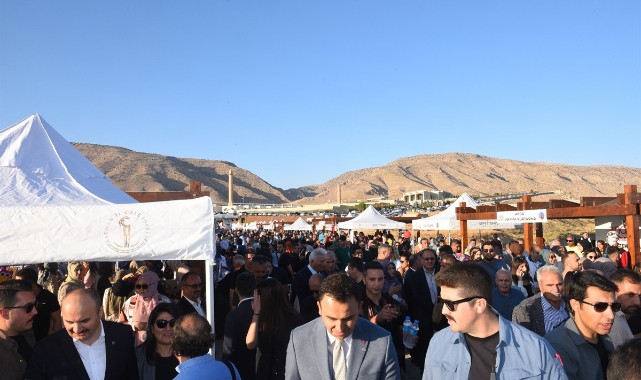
{"x":17,"y":309}
{"x":582,"y":341}
{"x":480,"y":344}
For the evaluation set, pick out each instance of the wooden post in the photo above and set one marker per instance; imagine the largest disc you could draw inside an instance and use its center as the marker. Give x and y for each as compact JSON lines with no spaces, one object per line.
{"x":528,"y":238}
{"x":632,"y":226}
{"x":463,"y":230}
{"x":538,"y":227}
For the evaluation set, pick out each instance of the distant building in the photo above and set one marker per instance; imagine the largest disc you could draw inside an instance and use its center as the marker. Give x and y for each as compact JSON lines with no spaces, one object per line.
{"x":420,"y":196}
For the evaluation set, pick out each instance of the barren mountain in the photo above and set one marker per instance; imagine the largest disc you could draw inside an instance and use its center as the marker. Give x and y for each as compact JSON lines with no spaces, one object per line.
{"x":452,"y":172}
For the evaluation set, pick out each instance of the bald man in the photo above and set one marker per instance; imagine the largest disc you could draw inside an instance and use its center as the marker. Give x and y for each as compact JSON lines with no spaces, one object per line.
{"x":87,"y":348}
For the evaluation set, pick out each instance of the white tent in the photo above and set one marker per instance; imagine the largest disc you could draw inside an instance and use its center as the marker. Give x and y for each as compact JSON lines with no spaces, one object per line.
{"x":57,"y":206}
{"x":371,"y":219}
{"x":298,"y":225}
{"x":446,"y":219}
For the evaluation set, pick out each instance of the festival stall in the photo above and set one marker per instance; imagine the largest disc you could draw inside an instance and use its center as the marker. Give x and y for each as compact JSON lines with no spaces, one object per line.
{"x":371,"y":219}
{"x":446,"y":219}
{"x":55,"y":205}
{"x":298,"y":225}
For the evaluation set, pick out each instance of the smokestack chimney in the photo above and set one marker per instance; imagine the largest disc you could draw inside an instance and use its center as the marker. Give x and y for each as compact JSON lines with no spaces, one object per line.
{"x":338,"y":191}
{"x":230,"y":201}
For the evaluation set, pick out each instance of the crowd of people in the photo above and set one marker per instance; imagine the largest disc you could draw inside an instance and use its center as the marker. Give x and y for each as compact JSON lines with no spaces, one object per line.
{"x":318,"y":305}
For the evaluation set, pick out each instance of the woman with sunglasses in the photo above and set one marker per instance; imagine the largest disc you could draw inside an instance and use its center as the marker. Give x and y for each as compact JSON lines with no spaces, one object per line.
{"x":137,"y":308}
{"x":156,"y":360}
{"x":273,"y":321}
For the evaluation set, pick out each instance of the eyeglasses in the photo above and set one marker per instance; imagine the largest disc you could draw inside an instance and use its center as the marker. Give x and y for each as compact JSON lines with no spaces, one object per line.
{"x":28,"y":308}
{"x":429,"y":259}
{"x":194,"y":286}
{"x":600,"y":307}
{"x":451,"y":305}
{"x":488,"y":250}
{"x":143,"y":286}
{"x":162,"y":323}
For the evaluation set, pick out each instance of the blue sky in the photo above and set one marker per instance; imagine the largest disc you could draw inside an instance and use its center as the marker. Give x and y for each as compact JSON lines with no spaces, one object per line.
{"x":299,"y":92}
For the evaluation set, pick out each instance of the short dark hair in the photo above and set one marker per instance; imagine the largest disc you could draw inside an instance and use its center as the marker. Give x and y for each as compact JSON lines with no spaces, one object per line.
{"x":424,"y":251}
{"x":28,"y":274}
{"x":611,"y":250}
{"x":446,"y":250}
{"x":245,"y":284}
{"x":339,"y":287}
{"x":583,"y":280}
{"x":185,"y":277}
{"x":413,"y":259}
{"x":8,"y":295}
{"x":260,"y":259}
{"x":470,"y":279}
{"x":622,"y":365}
{"x":356,"y":263}
{"x":373,"y":265}
{"x":192,"y":336}
{"x":17,"y":284}
{"x":623,"y":274}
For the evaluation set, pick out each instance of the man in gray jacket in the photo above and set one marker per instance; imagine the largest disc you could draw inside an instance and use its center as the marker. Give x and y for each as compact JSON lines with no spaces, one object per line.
{"x":582,"y":341}
{"x":359,"y":349}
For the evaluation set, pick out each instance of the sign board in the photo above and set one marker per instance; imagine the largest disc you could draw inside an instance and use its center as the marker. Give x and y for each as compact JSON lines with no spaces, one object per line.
{"x":524,"y":216}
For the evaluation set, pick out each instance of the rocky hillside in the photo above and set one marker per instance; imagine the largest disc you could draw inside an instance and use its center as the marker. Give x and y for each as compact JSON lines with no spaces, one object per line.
{"x":453,"y":172}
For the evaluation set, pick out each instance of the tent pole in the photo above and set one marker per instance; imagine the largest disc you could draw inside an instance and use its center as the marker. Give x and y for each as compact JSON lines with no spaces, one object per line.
{"x":209,"y":297}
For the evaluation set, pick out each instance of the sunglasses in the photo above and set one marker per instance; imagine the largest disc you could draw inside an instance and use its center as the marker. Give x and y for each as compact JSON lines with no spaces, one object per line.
{"x":429,"y":259}
{"x":143,"y":286}
{"x":600,"y":307}
{"x":451,"y":305}
{"x":488,"y":250}
{"x":569,"y":240}
{"x":591,"y":257}
{"x":162,"y":323}
{"x":28,"y":308}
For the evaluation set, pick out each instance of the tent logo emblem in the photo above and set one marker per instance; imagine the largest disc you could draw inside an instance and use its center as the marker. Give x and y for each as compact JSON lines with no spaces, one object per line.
{"x":127,"y":231}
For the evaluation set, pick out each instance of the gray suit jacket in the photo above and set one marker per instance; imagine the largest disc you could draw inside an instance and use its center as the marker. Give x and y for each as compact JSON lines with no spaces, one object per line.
{"x":372,"y":354}
{"x":529,"y":314}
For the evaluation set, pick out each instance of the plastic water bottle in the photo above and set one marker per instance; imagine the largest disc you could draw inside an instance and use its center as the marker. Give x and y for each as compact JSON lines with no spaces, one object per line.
{"x":397,"y":298}
{"x":415,"y":328}
{"x":407,"y":326}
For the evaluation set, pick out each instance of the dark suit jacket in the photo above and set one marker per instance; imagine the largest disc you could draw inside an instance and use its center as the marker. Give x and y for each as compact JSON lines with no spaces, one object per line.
{"x":301,"y":284}
{"x":56,"y":357}
{"x":420,"y":306}
{"x":234,"y":346}
{"x":187,"y":308}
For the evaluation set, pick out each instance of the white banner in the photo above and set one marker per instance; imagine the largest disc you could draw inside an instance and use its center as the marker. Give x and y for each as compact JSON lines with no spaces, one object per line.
{"x":525,"y":216}
{"x":142,"y":231}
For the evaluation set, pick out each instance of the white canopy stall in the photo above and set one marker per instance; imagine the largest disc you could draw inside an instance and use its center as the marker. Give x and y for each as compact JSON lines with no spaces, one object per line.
{"x":371,"y":219}
{"x":298,"y":225}
{"x":55,"y":205}
{"x":446,"y":219}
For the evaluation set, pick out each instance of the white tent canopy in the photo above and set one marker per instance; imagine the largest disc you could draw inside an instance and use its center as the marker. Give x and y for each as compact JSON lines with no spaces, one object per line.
{"x":446,"y":219}
{"x":371,"y":219}
{"x":298,"y":225}
{"x":57,"y":206}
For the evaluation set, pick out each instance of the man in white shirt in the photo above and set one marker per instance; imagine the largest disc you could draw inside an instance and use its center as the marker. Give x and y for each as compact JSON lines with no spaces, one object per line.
{"x":105,"y":349}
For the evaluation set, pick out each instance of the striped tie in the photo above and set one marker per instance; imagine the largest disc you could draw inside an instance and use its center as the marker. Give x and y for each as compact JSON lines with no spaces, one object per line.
{"x":339,"y":361}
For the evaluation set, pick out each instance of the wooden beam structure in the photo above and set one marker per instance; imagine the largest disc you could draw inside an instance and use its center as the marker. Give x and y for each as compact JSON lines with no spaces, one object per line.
{"x":627,"y":205}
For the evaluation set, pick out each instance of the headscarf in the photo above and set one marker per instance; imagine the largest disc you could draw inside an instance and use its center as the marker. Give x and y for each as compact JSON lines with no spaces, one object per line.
{"x":71,"y":274}
{"x":141,"y":313}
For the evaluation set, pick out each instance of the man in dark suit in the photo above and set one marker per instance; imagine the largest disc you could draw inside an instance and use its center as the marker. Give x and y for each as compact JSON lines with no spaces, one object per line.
{"x":301,"y":280}
{"x":421,"y":296}
{"x":190,"y":289}
{"x":87,"y":348}
{"x":236,"y":326}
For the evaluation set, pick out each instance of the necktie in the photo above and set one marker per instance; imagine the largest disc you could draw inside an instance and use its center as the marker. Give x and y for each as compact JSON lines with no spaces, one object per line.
{"x":338,"y":359}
